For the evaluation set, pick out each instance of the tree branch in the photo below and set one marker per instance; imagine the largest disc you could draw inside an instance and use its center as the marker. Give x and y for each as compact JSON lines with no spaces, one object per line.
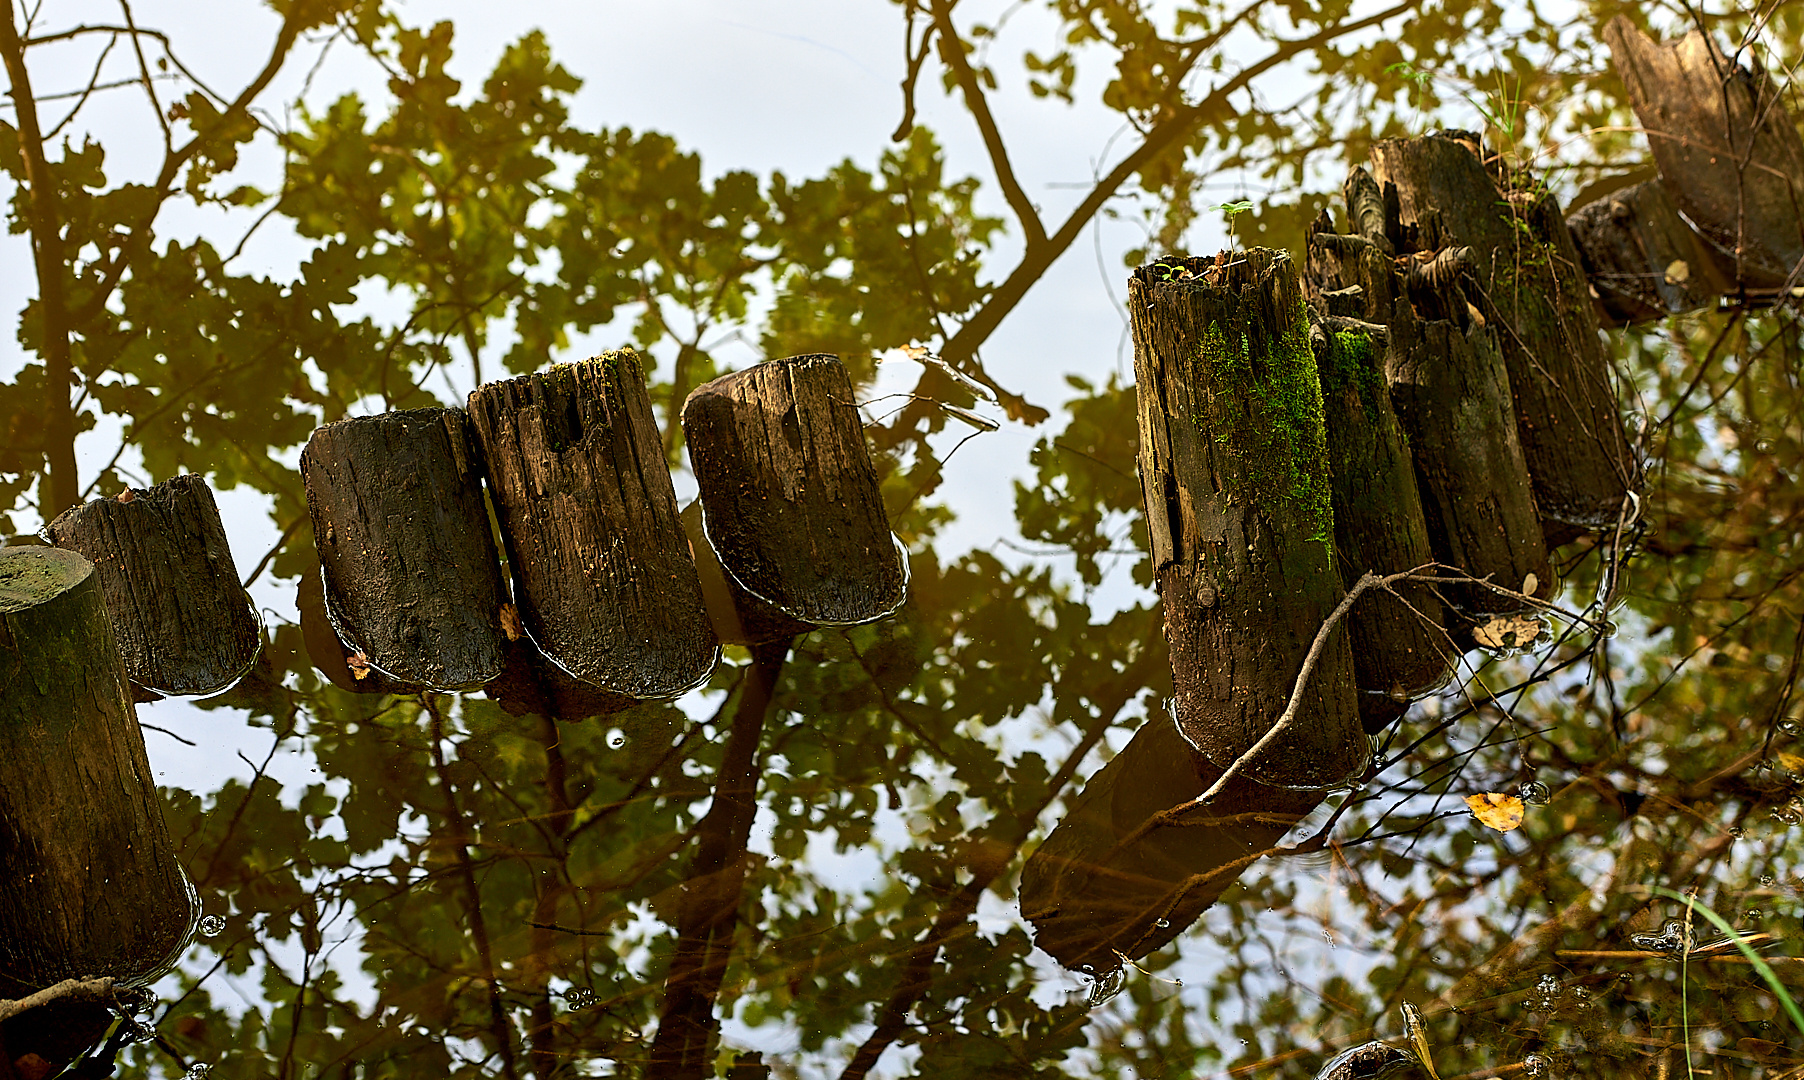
{"x":952,"y":51}
{"x":61,"y":487}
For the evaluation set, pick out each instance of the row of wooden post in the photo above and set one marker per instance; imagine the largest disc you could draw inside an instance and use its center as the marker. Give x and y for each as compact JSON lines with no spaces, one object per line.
{"x":615,"y":598}
{"x":1429,"y":389}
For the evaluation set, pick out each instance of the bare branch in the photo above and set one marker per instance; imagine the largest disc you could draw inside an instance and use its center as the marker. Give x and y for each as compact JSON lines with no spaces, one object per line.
{"x":952,"y":51}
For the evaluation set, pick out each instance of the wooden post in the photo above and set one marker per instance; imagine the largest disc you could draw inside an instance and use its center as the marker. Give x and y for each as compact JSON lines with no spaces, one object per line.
{"x":1112,"y":882}
{"x":1729,"y":153}
{"x":183,"y":622}
{"x":92,"y":886}
{"x":1452,"y":398}
{"x":1399,"y":649}
{"x":1233,"y":468}
{"x":603,"y":577}
{"x":1533,"y":294}
{"x":1643,"y":261}
{"x":412,"y":580}
{"x":789,"y":498}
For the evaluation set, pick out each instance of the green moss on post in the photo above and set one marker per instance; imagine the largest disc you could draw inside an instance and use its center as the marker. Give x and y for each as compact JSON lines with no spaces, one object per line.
{"x":1233,"y":462}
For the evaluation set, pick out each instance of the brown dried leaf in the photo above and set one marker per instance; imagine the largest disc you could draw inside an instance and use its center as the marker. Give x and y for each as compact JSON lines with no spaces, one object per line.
{"x":359,"y":663}
{"x":1495,"y":810}
{"x":510,"y":622}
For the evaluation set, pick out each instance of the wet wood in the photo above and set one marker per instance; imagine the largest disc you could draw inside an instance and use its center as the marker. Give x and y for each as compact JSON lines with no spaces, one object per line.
{"x":1234,"y":478}
{"x":789,"y":497}
{"x":603,"y":577}
{"x":412,"y":579}
{"x":1643,"y":261}
{"x":92,"y":886}
{"x":1729,"y":153}
{"x":1399,"y":649}
{"x":338,"y":662}
{"x":1103,"y":886}
{"x":183,"y":622}
{"x":1531,"y":290}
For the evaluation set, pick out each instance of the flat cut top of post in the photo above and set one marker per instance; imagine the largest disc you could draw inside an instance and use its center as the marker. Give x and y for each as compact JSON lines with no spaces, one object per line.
{"x":29,"y":576}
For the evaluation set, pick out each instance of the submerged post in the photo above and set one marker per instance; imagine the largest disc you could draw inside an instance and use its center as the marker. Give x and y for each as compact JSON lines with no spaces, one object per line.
{"x":603,"y":576}
{"x":1233,"y":468}
{"x":92,"y":886}
{"x":183,"y":623}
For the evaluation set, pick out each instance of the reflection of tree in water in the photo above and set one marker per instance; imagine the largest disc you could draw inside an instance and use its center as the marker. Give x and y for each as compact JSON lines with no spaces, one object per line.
{"x":467,"y":892}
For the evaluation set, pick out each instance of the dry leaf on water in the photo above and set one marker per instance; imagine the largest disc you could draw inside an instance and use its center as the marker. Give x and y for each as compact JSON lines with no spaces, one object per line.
{"x":1495,"y":810}
{"x":1509,"y":632}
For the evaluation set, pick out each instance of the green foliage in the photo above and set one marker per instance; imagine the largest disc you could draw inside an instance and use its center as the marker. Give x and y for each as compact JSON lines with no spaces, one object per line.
{"x":461,"y":892}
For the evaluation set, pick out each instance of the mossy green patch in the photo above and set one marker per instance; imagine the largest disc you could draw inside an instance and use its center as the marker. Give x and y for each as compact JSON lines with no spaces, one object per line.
{"x":1265,"y":398}
{"x":1352,"y":362}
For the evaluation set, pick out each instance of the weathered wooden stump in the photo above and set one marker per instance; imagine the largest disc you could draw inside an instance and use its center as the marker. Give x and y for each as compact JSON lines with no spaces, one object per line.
{"x":412,"y":580}
{"x":1400,"y":651}
{"x":603,"y":577}
{"x":1642,"y":259}
{"x":92,"y":886}
{"x":1729,"y":153}
{"x":1530,"y":285}
{"x":789,"y":498}
{"x":338,"y":662}
{"x":183,"y":622}
{"x":1113,"y":882}
{"x":1233,"y":467}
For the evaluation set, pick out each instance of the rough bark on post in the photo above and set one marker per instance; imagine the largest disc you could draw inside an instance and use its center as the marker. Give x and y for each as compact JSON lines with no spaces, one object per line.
{"x":1234,"y":478}
{"x":603,"y":577}
{"x":183,"y":622}
{"x":1451,"y":395}
{"x":92,"y":886}
{"x":1399,"y":649}
{"x":790,"y":499}
{"x":1729,"y":153}
{"x":1532,"y":288}
{"x":1642,"y":260}
{"x":412,"y":580}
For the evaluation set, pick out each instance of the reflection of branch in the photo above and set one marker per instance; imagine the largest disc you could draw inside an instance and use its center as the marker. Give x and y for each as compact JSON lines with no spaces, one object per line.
{"x":952,"y":51}
{"x":687,"y":1026}
{"x":953,"y":919}
{"x":479,"y":931}
{"x":98,"y":991}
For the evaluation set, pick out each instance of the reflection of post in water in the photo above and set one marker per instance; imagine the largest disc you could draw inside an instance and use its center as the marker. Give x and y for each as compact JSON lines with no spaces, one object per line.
{"x":91,"y":884}
{"x":1116,"y":879}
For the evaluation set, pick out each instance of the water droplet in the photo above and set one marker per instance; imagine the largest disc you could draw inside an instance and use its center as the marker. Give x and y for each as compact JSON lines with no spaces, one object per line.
{"x":211,"y":925}
{"x":140,"y":1033}
{"x":1548,"y":985}
{"x":1534,"y":793}
{"x":1763,"y":446}
{"x":579,"y":997}
{"x":1753,"y":915}
{"x":616,"y":740}
{"x":197,"y":1070}
{"x":1736,"y":831}
{"x":1768,"y":880}
{"x":1163,"y":923}
{"x":1788,"y":726}
{"x":1786,"y":815}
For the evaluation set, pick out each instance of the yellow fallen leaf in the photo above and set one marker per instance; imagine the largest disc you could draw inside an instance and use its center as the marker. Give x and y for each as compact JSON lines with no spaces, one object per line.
{"x":1495,"y":810}
{"x":1793,"y":763}
{"x":1677,"y":272}
{"x":1509,"y":631}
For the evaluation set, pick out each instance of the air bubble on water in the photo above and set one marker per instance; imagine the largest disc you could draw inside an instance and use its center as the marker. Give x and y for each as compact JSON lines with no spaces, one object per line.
{"x":1753,"y":915}
{"x":616,"y":739}
{"x":1788,"y":726}
{"x":1534,"y":793}
{"x":1106,"y":987}
{"x":197,"y":1070}
{"x":140,"y":1033}
{"x":579,"y":997}
{"x":1736,"y":831}
{"x":1535,"y":1065}
{"x":1768,"y":880}
{"x":1607,"y":628}
{"x":1163,"y":923}
{"x":1328,"y":936}
{"x":211,"y":925}
{"x":1763,"y":446}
